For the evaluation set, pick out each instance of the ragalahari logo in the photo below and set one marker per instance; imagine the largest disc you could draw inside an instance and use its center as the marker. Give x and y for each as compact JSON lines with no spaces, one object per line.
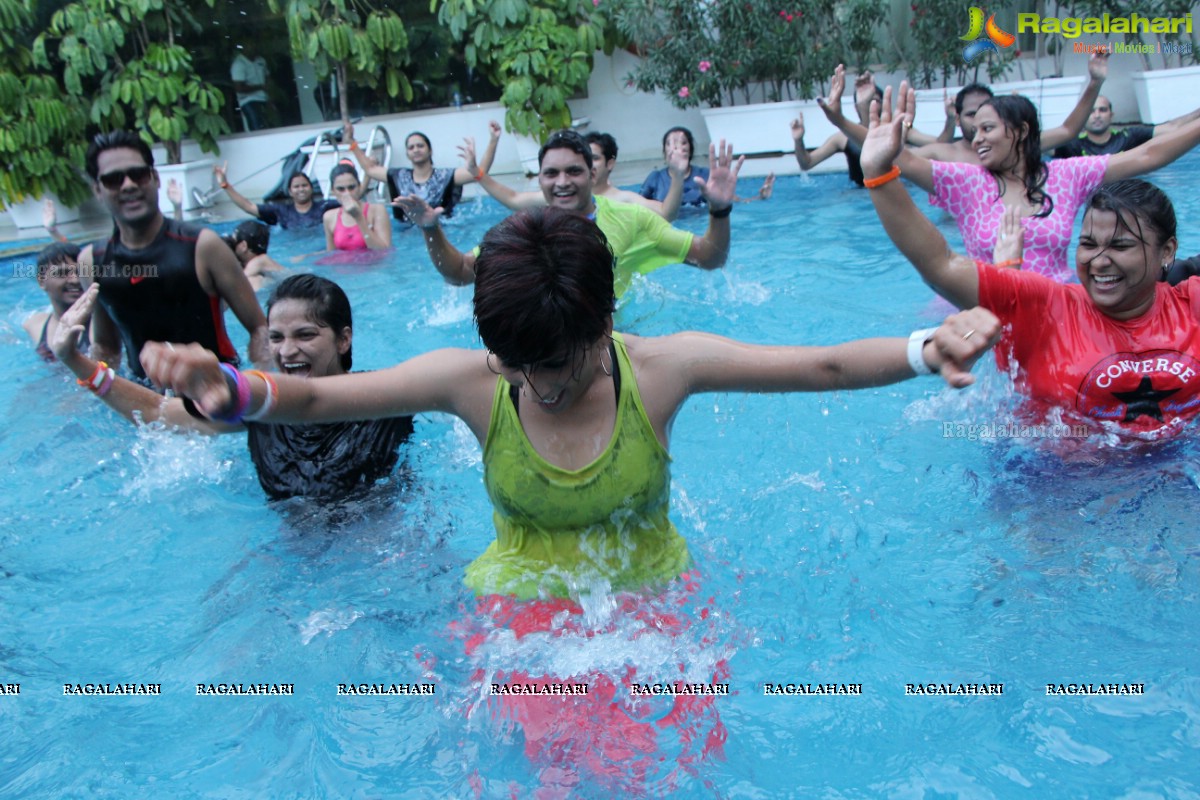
{"x":978,"y":28}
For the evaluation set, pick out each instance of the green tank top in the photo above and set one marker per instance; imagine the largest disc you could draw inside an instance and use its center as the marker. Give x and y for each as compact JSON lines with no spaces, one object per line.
{"x":558,"y":529}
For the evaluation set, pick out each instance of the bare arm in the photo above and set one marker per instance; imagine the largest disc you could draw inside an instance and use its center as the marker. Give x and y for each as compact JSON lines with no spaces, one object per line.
{"x":106,"y":339}
{"x":510,"y":198}
{"x":1073,"y":124}
{"x":451,"y":381}
{"x":221,"y":275}
{"x":1173,"y":125}
{"x":456,"y":267}
{"x":470,"y":172}
{"x":807,"y":159}
{"x":132,"y":401}
{"x":370,"y":167}
{"x":917,"y":139}
{"x":711,"y":250}
{"x":1158,"y":152}
{"x":234,"y":195}
{"x":953,"y":277}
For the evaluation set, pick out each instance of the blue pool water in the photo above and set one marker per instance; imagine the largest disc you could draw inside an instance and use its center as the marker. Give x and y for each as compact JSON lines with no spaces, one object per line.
{"x":838,"y":538}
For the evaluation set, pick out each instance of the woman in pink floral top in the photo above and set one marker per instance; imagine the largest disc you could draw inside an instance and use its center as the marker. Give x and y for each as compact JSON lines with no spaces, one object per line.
{"x":1011,"y":174}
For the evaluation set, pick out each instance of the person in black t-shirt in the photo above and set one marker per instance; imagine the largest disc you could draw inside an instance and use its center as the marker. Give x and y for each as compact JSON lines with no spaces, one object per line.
{"x":1100,"y":139}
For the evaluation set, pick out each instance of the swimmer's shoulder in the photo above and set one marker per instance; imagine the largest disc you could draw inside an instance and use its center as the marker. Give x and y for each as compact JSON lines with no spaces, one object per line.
{"x":35,"y":323}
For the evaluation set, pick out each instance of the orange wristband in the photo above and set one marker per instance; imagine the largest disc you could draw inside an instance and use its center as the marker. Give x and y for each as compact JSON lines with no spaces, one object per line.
{"x":354,"y":146}
{"x":890,"y":175}
{"x":1012,"y":262}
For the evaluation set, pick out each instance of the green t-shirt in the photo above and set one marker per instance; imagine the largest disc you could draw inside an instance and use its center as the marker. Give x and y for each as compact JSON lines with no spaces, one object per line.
{"x":641,"y":240}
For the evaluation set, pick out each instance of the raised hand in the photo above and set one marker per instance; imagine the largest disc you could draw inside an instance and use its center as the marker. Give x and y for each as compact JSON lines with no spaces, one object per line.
{"x":886,"y":131}
{"x":1098,"y":66}
{"x":832,"y":103}
{"x":219,"y":172}
{"x":49,"y":214}
{"x":466,"y":152}
{"x":721,"y":187}
{"x":798,"y":128}
{"x":768,"y":187}
{"x":174,"y":192}
{"x":494,"y":129}
{"x":677,"y":161}
{"x":64,"y":342}
{"x":417,"y":211}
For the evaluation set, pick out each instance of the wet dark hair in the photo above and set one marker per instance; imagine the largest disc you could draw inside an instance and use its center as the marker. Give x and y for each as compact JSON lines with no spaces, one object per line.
{"x":114,"y":140}
{"x":687,"y":134}
{"x":543,"y":283}
{"x":1017,"y":112}
{"x":970,"y":88}
{"x":1139,"y":201}
{"x":608,"y":145}
{"x":256,"y":236}
{"x":566,"y":140}
{"x":428,"y":143}
{"x":54,"y":254}
{"x":328,"y":305}
{"x":342,"y":168}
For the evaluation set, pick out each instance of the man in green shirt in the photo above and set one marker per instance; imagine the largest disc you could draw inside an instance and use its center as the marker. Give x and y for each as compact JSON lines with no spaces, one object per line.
{"x":641,"y":240}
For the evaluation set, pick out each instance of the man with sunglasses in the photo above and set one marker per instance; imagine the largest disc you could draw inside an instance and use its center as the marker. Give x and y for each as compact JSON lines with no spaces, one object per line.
{"x":641,"y":240}
{"x":160,"y":280}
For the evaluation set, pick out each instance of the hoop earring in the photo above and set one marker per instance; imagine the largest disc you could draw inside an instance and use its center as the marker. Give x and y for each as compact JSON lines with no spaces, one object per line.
{"x":491,"y":369}
{"x":607,"y":370}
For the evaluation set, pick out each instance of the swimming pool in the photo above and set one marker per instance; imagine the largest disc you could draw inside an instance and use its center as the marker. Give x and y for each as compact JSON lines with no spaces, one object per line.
{"x":838,"y":538}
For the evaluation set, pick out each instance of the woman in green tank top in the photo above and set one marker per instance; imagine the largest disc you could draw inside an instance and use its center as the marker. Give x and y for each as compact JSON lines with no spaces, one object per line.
{"x":574,"y":419}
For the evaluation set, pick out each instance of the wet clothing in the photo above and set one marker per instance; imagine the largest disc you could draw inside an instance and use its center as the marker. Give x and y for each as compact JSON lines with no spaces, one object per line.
{"x":439,"y":190}
{"x":641,"y":240}
{"x":350,"y":237}
{"x":969,"y":192}
{"x":153,"y":294}
{"x":658,"y":184}
{"x":330,"y":461}
{"x":1140,"y":374}
{"x":557,"y":528}
{"x":43,"y":346}
{"x":1118,"y":142}
{"x":286,"y":216}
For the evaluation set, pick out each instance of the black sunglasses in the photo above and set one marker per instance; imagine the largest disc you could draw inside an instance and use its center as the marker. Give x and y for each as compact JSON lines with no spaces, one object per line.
{"x":116,"y":179}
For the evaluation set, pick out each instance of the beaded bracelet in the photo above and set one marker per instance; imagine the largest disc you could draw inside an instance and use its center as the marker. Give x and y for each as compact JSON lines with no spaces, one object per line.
{"x":239,"y":388}
{"x":890,"y":175}
{"x":100,"y":381}
{"x":268,"y":403}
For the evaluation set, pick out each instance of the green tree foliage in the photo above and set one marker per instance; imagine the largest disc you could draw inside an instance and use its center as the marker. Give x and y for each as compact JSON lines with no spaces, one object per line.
{"x":127,"y":57}
{"x":354,"y":40}
{"x":934,"y":51}
{"x":728,"y":51}
{"x":541,"y":53}
{"x":41,"y":126}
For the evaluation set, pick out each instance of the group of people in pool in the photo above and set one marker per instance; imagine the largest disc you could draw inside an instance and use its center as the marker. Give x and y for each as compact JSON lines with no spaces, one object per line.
{"x":574,"y":416}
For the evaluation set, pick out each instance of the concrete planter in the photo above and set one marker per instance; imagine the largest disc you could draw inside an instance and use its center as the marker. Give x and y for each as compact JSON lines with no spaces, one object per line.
{"x":190,"y":175}
{"x":1163,"y":95}
{"x":28,"y":214}
{"x":1054,"y":98}
{"x":763,"y":130}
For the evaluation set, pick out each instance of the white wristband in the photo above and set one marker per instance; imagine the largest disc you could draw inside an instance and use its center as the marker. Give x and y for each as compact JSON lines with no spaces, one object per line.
{"x":916,"y":348}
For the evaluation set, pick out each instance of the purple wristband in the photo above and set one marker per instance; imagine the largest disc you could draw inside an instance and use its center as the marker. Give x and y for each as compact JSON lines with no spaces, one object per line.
{"x":239,"y":387}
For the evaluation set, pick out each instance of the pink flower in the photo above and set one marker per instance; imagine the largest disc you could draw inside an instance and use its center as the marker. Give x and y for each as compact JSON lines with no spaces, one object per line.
{"x":684,"y":92}
{"x":783,"y":14}
{"x":789,"y":17}
{"x":596,"y":3}
{"x":705,"y":66}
